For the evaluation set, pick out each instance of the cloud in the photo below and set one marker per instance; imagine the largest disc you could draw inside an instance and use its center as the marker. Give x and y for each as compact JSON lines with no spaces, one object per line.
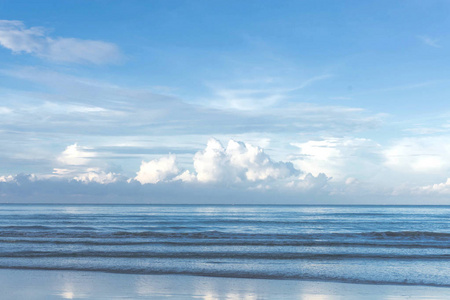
{"x":242,"y":99}
{"x":88,"y":109}
{"x":7,"y":178}
{"x":238,"y":162}
{"x":339,"y":158}
{"x":212,"y":164}
{"x":419,"y":155}
{"x":260,"y":96}
{"x":76,"y":163}
{"x":236,"y":173}
{"x":28,"y":189}
{"x":158,"y":170}
{"x":311,"y":182}
{"x":186,"y":176}
{"x":99,"y":176}
{"x":429,"y":41}
{"x":438,"y":188}
{"x":14,"y":35}
{"x":75,"y":155}
{"x":5,"y":110}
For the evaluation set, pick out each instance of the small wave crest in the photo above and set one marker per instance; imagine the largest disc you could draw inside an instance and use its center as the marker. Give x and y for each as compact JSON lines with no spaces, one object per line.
{"x":226,"y":255}
{"x":89,"y":232}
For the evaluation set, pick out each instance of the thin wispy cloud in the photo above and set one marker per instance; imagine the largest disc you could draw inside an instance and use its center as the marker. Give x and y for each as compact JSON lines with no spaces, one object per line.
{"x":432,"y":42}
{"x":257,"y":94}
{"x":18,"y":38}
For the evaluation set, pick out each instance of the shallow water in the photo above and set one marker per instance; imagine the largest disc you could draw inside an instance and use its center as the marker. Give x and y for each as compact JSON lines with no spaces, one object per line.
{"x":363,"y":244}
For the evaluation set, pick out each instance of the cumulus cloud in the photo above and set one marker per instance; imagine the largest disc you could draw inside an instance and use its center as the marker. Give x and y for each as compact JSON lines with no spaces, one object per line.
{"x":97,"y":175}
{"x":76,"y":155}
{"x":238,"y":162}
{"x":18,"y":179}
{"x":76,"y":164}
{"x":7,"y":178}
{"x":311,"y":182}
{"x":90,"y":175}
{"x":158,"y":170}
{"x":186,"y":176}
{"x":439,"y":188}
{"x":212,"y":164}
{"x":14,"y":35}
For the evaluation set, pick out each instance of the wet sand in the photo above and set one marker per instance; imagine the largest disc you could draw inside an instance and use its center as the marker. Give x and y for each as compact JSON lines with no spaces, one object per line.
{"x":37,"y":284}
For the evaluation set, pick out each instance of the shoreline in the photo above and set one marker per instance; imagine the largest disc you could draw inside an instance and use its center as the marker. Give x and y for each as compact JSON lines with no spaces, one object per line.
{"x":194,"y":274}
{"x":63,"y":284}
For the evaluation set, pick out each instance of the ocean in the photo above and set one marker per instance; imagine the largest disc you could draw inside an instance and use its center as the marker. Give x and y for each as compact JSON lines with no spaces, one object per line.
{"x":356,"y":244}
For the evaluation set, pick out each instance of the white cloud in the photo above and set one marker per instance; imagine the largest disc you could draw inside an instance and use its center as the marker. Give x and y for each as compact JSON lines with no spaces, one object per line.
{"x":260,"y":96}
{"x":439,"y":188}
{"x":158,"y":170}
{"x":7,"y":178}
{"x":75,"y":164}
{"x":87,"y":110}
{"x":419,"y":155}
{"x":186,"y":176}
{"x":212,"y":164}
{"x":14,"y":35}
{"x":311,"y":182}
{"x":5,"y":110}
{"x":61,"y":171}
{"x":238,"y":162}
{"x":238,"y":165}
{"x":18,"y":179}
{"x":239,"y":168}
{"x":339,"y":158}
{"x":241,"y":99}
{"x":76,"y":155}
{"x":97,"y":175}
{"x":351,"y":181}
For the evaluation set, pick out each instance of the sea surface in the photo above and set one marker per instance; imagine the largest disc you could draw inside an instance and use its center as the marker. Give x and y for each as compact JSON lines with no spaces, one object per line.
{"x":358,"y":244}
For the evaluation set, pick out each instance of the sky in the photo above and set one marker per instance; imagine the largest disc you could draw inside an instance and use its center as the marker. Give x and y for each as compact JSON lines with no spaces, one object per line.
{"x":225,"y":102}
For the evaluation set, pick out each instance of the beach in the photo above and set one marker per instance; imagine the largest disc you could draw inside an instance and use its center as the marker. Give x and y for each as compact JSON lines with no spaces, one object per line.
{"x":38,"y":284}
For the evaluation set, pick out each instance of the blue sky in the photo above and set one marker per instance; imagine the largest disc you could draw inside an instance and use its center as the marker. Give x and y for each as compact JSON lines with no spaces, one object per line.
{"x":225,"y":101}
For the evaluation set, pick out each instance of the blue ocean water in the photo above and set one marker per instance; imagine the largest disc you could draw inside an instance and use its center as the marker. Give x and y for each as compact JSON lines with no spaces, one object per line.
{"x":362,"y":244}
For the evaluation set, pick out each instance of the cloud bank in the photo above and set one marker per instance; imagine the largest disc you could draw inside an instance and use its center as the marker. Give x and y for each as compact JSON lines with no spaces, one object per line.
{"x":238,"y":168}
{"x":236,"y":173}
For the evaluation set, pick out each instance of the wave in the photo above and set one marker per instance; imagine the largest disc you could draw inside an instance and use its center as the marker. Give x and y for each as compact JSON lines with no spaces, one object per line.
{"x":213,"y":255}
{"x":408,"y":234}
{"x":88,"y":232}
{"x":230,"y":242}
{"x":26,"y":227}
{"x":41,"y":227}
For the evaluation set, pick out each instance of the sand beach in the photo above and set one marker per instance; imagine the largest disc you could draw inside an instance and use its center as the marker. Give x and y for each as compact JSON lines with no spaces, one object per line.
{"x":48,"y":285}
